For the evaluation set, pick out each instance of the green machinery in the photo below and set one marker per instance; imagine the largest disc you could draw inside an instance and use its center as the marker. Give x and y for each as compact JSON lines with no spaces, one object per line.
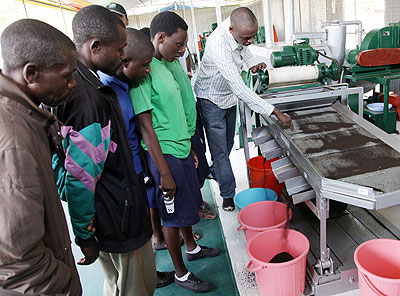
{"x":376,"y":61}
{"x":203,"y":39}
{"x":294,"y":68}
{"x":260,"y":37}
{"x":300,"y":54}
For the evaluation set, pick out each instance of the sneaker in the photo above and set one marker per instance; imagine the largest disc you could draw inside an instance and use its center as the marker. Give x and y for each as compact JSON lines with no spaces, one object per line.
{"x":164,"y":278}
{"x":158,"y":247}
{"x":205,"y":252}
{"x":228,"y":204}
{"x":211,"y":176}
{"x":194,"y":284}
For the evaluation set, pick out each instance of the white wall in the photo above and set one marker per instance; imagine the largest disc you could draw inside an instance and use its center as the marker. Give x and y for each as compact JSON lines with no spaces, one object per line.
{"x":13,"y":10}
{"x":204,"y":18}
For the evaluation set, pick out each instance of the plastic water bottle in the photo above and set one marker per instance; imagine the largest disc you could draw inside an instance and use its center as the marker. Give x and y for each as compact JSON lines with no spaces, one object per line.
{"x":169,"y":204}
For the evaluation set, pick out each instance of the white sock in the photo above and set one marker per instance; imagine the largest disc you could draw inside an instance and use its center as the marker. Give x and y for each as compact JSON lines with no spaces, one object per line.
{"x":195,"y":251}
{"x":183,"y":278}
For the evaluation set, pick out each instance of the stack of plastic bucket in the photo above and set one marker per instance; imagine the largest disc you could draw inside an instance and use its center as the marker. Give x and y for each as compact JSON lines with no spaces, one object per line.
{"x":261,"y":175}
{"x":261,"y":216}
{"x":378,"y":263}
{"x":253,"y":195}
{"x":279,"y":279}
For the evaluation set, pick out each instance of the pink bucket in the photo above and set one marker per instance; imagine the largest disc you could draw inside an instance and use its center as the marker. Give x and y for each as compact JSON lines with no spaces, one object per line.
{"x":378,"y":264}
{"x":260,"y":216}
{"x":279,"y":279}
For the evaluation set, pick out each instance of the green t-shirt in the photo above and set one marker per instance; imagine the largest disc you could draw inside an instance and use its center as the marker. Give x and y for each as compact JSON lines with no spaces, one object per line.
{"x":160,"y":94}
{"x":189,"y":102}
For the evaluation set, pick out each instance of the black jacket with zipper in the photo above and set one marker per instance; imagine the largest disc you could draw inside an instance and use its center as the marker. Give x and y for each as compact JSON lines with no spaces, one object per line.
{"x":122,"y":219}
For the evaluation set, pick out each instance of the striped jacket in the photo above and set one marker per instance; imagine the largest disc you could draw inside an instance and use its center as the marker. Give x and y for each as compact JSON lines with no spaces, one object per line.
{"x":98,"y":176}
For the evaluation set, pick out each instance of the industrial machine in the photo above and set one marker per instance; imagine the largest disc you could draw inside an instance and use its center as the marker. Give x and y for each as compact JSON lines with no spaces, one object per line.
{"x":333,"y":154}
{"x":203,"y":39}
{"x":377,"y":60}
{"x":294,"y":68}
{"x":260,"y":37}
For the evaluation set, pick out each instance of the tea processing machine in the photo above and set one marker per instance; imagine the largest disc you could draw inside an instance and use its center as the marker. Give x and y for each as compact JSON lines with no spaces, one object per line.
{"x":333,"y":155}
{"x":377,"y":60}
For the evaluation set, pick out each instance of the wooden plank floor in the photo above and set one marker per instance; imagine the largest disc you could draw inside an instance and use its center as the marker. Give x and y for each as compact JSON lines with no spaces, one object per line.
{"x":344,"y":232}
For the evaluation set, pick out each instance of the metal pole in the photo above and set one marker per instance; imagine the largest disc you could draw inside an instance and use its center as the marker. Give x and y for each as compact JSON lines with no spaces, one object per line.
{"x":269,"y":36}
{"x":386,"y":105}
{"x":289,"y":21}
{"x":218,"y":11}
{"x":26,"y":12}
{"x":242,"y":115}
{"x":195,"y":33}
{"x":63,"y":17}
{"x":184,"y":9}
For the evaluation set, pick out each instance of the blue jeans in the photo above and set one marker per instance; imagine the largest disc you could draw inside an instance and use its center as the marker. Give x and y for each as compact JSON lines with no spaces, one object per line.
{"x":219,"y":125}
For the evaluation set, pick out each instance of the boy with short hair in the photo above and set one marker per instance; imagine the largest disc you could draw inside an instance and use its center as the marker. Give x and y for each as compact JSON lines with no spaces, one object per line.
{"x":161,"y":114}
{"x":139,"y":53}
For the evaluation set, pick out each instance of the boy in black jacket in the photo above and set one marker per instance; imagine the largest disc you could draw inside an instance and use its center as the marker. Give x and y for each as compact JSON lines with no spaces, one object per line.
{"x":98,"y":178}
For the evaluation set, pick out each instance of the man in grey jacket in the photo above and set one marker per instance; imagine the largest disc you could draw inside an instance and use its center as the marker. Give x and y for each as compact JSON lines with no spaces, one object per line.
{"x":35,"y":248}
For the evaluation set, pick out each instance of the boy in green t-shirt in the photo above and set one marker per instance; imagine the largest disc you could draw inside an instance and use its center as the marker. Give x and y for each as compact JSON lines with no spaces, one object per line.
{"x":160,"y":111}
{"x":195,"y":127}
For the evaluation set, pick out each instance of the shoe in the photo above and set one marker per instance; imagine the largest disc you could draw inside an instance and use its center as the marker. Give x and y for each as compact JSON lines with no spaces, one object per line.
{"x":228,"y":204}
{"x":196,"y":236}
{"x":164,"y":278}
{"x":205,"y":206}
{"x":205,"y":252}
{"x":206,"y":214}
{"x":194,"y":284}
{"x":211,"y":176}
{"x":158,"y":247}
{"x":163,"y":246}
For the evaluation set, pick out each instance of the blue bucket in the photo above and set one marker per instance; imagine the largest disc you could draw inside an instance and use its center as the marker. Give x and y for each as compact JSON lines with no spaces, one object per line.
{"x":253,"y":195}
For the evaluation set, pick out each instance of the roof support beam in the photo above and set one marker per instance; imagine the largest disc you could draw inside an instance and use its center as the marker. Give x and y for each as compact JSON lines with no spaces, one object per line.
{"x":195,"y":35}
{"x":218,"y":11}
{"x":269,"y":36}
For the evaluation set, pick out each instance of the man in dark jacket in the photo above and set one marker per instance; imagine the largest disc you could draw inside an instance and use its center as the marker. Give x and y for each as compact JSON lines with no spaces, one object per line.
{"x":99,"y":180}
{"x":35,"y":248}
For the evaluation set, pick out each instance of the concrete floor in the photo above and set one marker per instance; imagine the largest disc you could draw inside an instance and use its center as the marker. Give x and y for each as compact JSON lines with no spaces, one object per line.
{"x":235,"y":239}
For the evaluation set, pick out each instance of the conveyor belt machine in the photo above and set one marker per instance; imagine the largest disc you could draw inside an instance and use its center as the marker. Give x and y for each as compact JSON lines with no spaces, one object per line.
{"x":332,"y":154}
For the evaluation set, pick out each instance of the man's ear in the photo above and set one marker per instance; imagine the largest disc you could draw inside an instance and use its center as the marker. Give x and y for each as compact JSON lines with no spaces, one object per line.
{"x":95,"y":46}
{"x":30,"y":73}
{"x":160,"y":37}
{"x":230,"y":29}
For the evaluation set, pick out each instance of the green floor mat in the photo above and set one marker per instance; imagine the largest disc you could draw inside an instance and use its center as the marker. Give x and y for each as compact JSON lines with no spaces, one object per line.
{"x":217,"y":270}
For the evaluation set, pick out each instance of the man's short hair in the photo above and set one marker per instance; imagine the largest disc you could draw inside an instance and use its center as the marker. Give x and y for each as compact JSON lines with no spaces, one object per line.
{"x":243,"y":16}
{"x":30,"y":40}
{"x":116,"y":8}
{"x":146,"y":31}
{"x":95,"y":21}
{"x":167,"y":22}
{"x":137,"y":44}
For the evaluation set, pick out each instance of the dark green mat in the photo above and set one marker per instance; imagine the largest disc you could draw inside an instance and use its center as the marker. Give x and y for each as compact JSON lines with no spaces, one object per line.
{"x":217,"y":271}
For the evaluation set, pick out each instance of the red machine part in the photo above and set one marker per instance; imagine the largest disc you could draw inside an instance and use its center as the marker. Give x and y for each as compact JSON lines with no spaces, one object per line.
{"x":394,"y":99}
{"x":379,"y":57}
